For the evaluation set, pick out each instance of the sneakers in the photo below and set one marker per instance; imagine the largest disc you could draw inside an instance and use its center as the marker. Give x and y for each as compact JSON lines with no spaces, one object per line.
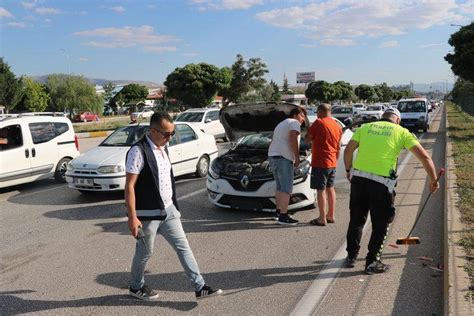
{"x":285,"y":219}
{"x":376,"y":267}
{"x":145,"y":293}
{"x":349,"y":263}
{"x":207,"y":291}
{"x":277,"y":214}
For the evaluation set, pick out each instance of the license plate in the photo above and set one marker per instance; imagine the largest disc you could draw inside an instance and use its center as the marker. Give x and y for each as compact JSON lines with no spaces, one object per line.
{"x":84,"y":182}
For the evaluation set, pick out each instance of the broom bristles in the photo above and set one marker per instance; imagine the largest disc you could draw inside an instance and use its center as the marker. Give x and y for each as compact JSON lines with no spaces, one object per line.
{"x":408,"y":241}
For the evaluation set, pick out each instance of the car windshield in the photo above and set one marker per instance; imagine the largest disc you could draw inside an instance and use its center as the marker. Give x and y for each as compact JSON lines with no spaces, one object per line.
{"x":190,"y":117}
{"x":255,"y":141}
{"x":374,"y":108}
{"x":412,"y":106}
{"x":125,"y":136}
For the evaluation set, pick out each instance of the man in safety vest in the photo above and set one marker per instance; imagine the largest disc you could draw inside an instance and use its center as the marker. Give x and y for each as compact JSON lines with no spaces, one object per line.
{"x":373,"y":178}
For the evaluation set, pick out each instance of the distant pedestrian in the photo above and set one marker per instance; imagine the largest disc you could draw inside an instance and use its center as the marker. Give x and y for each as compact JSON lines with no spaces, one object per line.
{"x":283,"y":155}
{"x":373,"y":176}
{"x":150,"y":197}
{"x":325,"y":138}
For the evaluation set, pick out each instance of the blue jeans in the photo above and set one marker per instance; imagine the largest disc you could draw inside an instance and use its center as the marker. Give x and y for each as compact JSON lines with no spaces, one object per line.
{"x":172,"y":230}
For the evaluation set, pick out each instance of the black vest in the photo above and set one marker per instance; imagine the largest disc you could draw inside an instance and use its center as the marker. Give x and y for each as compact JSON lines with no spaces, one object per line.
{"x":147,"y":188}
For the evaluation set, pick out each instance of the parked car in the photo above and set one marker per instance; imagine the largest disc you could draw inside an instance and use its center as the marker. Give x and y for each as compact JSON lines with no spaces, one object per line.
{"x":357,"y":108}
{"x":147,"y":113}
{"x":103,"y":168}
{"x":35,"y":147}
{"x":372,"y":112}
{"x":342,"y":113}
{"x":241,"y":178}
{"x":86,"y":117}
{"x":207,"y":120}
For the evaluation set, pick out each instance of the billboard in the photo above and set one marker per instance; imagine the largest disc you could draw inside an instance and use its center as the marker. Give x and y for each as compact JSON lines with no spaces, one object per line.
{"x":304,"y":77}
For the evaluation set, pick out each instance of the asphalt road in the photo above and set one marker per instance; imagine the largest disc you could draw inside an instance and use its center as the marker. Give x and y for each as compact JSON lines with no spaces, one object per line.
{"x":64,"y":253}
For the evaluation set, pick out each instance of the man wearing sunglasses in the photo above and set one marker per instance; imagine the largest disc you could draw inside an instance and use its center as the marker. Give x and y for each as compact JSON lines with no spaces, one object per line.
{"x":152,"y":206}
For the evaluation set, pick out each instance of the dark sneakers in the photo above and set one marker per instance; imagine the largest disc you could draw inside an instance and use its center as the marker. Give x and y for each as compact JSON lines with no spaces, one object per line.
{"x":145,"y":293}
{"x":376,"y":267}
{"x":277,"y":214}
{"x":285,"y":219}
{"x":206,"y":291}
{"x":349,"y":263}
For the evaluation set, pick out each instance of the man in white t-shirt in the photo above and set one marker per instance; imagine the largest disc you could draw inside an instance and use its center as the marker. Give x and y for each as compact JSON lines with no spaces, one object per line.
{"x":283,"y":154}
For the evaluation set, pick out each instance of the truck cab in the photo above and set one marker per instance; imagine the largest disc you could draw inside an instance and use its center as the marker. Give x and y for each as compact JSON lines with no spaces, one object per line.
{"x":415,"y":113}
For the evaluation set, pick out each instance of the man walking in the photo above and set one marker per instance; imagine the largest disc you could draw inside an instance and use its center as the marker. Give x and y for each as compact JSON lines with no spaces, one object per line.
{"x":150,"y":197}
{"x":283,"y":154}
{"x":373,"y":178}
{"x":325,"y":135}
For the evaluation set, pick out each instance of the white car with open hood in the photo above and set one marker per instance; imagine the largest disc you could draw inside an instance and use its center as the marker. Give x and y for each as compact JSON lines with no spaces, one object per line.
{"x":103,"y":168}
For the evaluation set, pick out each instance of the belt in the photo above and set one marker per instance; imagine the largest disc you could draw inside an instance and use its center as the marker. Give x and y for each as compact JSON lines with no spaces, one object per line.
{"x":389,"y":183}
{"x":277,"y":157}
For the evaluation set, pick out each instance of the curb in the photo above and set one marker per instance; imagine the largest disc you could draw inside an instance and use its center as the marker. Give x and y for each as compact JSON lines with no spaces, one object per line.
{"x":457,"y":280}
{"x":94,"y":134}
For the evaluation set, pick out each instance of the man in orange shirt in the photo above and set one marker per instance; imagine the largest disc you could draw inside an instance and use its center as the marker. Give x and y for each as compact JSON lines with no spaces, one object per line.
{"x":325,"y":135}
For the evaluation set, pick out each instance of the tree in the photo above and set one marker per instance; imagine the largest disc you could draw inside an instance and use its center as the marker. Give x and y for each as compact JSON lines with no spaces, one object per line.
{"x":109,"y":88}
{"x":321,"y":91}
{"x":35,"y":98}
{"x":71,"y":94}
{"x":364,"y":92}
{"x":276,"y":94}
{"x":286,"y":88}
{"x":384,"y":92}
{"x":463,"y":95}
{"x":343,"y":89}
{"x":462,"y":60}
{"x":247,"y":76}
{"x":196,"y":85}
{"x":10,"y":87}
{"x":132,"y":93}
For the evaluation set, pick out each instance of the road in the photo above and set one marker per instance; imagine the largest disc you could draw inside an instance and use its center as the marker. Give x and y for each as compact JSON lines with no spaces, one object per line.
{"x":67,"y":253}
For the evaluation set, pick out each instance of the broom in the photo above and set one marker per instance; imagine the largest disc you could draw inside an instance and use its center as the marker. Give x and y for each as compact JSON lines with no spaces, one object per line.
{"x":416,"y":240}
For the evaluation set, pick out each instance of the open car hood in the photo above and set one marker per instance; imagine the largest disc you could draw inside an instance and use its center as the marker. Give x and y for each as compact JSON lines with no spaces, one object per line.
{"x":250,"y":118}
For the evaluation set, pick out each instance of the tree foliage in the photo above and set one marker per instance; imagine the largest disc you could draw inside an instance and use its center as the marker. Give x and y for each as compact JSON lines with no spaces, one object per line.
{"x":35,"y":98}
{"x":109,"y":88}
{"x":131,"y":93}
{"x":462,"y":60}
{"x":10,"y":87}
{"x":72,"y":94}
{"x":364,"y":92}
{"x":285,"y":88}
{"x":343,"y":90}
{"x":321,"y":91}
{"x":196,"y":85}
{"x":247,"y":77}
{"x":384,"y":92}
{"x":463,"y":95}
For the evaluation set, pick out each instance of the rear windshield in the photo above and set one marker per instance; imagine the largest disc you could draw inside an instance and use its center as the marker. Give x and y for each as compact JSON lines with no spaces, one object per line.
{"x":125,"y":136}
{"x":190,"y":117}
{"x":374,"y":108}
{"x":412,"y":106}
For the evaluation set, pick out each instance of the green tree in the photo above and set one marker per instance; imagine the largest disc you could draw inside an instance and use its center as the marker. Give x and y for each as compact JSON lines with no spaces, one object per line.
{"x":321,"y":91}
{"x":463,"y":95}
{"x":35,"y":98}
{"x":364,"y":92}
{"x":196,"y":85}
{"x":276,"y":94}
{"x":132,"y":93}
{"x":72,"y":94}
{"x":384,"y":92}
{"x":109,"y":88}
{"x":247,"y":76}
{"x":11,"y":91}
{"x":344,"y":90}
{"x":285,"y":88}
{"x":462,"y":60}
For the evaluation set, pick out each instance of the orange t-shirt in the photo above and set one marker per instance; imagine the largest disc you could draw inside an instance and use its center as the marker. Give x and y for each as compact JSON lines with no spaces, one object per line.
{"x":326,"y":136}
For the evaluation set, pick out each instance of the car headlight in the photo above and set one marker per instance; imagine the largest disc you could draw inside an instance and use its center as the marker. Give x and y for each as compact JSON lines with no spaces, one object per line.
{"x":110,"y":169}
{"x":302,"y":170}
{"x":422,"y":118}
{"x":214,"y":170}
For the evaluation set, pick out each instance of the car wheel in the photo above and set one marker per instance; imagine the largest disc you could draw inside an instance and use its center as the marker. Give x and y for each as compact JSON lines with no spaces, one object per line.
{"x":202,"y":166}
{"x":60,"y":172}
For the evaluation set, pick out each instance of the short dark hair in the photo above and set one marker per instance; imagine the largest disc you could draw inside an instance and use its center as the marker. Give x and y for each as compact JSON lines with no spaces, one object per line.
{"x":297,"y":110}
{"x":158,"y":117}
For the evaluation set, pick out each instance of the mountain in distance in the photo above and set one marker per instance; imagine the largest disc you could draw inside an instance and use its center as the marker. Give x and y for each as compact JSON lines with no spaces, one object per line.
{"x":101,"y":82}
{"x":433,"y":87}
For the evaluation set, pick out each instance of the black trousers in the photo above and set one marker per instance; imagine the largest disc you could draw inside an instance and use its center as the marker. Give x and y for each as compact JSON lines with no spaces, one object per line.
{"x":368,"y":195}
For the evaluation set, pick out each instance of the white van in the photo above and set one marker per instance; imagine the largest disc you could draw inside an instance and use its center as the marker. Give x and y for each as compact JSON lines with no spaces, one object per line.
{"x":414,"y":113}
{"x":34,"y":147}
{"x":207,"y":120}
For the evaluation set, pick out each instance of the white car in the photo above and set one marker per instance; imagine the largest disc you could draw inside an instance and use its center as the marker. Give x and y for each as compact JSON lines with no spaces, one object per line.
{"x":241,"y":178}
{"x":103,"y":168}
{"x":372,"y":112}
{"x":35,"y":147}
{"x":147,"y":113}
{"x":207,"y":120}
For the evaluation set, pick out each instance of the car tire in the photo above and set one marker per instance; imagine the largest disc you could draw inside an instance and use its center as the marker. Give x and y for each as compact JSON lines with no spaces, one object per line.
{"x":425,"y":129}
{"x":60,"y":172}
{"x":202,"y":166}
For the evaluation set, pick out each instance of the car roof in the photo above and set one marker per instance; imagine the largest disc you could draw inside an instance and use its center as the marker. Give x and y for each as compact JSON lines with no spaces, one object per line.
{"x":201,"y":110}
{"x":34,"y":118}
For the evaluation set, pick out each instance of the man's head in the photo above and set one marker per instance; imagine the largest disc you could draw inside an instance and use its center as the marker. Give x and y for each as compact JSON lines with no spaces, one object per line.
{"x":324,"y":110}
{"x":392,"y":115}
{"x":299,"y":114}
{"x":161,"y":128}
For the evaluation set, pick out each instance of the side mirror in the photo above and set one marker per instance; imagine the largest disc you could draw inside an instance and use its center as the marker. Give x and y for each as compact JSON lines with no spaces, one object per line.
{"x":208,"y":121}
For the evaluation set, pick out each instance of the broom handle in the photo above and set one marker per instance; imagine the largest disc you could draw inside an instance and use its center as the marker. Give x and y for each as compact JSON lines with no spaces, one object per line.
{"x":441,"y":172}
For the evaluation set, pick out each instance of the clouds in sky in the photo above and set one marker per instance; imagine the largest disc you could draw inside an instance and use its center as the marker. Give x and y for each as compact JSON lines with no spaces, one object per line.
{"x":389,"y":44}
{"x":226,"y":4}
{"x":128,"y":36}
{"x":4,"y":13}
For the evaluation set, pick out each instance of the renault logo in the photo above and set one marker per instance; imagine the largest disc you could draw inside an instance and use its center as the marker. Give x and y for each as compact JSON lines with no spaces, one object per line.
{"x":244,"y":181}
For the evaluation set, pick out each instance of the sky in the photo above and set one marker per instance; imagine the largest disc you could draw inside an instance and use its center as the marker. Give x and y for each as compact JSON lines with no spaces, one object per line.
{"x":358,"y":41}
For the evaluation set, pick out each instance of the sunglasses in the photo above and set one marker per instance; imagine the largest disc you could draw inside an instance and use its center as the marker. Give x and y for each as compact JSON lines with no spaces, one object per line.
{"x":165,"y":134}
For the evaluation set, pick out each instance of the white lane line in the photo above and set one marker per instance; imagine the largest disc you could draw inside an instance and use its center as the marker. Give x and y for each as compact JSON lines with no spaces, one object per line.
{"x":328,"y":274}
{"x":191,"y":194}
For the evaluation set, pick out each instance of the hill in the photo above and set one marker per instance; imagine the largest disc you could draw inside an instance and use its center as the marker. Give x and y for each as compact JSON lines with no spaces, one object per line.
{"x":102,"y":82}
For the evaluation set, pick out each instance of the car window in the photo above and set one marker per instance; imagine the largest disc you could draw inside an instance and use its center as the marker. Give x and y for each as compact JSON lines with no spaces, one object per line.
{"x":125,"y":136}
{"x":190,"y":117}
{"x":212,"y":115}
{"x":60,"y":128}
{"x":186,"y":133}
{"x":42,"y":132}
{"x":10,"y":137}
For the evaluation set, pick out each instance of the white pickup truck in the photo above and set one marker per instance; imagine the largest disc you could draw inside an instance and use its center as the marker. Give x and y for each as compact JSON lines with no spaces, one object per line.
{"x":372,"y":112}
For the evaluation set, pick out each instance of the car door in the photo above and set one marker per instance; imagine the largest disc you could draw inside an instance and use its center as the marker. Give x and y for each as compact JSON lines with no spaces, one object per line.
{"x":215,"y":126}
{"x":188,"y":147}
{"x":44,"y":150}
{"x":174,"y":153}
{"x":15,"y":156}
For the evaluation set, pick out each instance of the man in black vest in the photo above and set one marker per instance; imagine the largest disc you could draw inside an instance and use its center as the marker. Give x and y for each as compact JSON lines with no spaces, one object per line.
{"x":150,"y":196}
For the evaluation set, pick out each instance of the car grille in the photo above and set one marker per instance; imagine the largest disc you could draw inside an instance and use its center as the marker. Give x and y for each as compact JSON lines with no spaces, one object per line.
{"x":413,"y":120}
{"x":85,"y":172}
{"x":246,"y":203}
{"x":253,"y":185}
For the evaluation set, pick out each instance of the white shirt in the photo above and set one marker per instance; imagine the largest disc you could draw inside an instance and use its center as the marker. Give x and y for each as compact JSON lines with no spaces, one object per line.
{"x":135,"y":163}
{"x":280,"y":145}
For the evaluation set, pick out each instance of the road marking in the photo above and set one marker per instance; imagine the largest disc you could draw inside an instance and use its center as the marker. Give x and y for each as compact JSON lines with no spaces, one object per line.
{"x":191,"y":194}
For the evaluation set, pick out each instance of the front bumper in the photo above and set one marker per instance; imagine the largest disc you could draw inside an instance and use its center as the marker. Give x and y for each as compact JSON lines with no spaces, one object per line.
{"x":413,"y":123}
{"x":96,"y":183}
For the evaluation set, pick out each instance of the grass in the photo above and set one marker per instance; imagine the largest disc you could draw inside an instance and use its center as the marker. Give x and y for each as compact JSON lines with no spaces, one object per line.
{"x":461,"y":131}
